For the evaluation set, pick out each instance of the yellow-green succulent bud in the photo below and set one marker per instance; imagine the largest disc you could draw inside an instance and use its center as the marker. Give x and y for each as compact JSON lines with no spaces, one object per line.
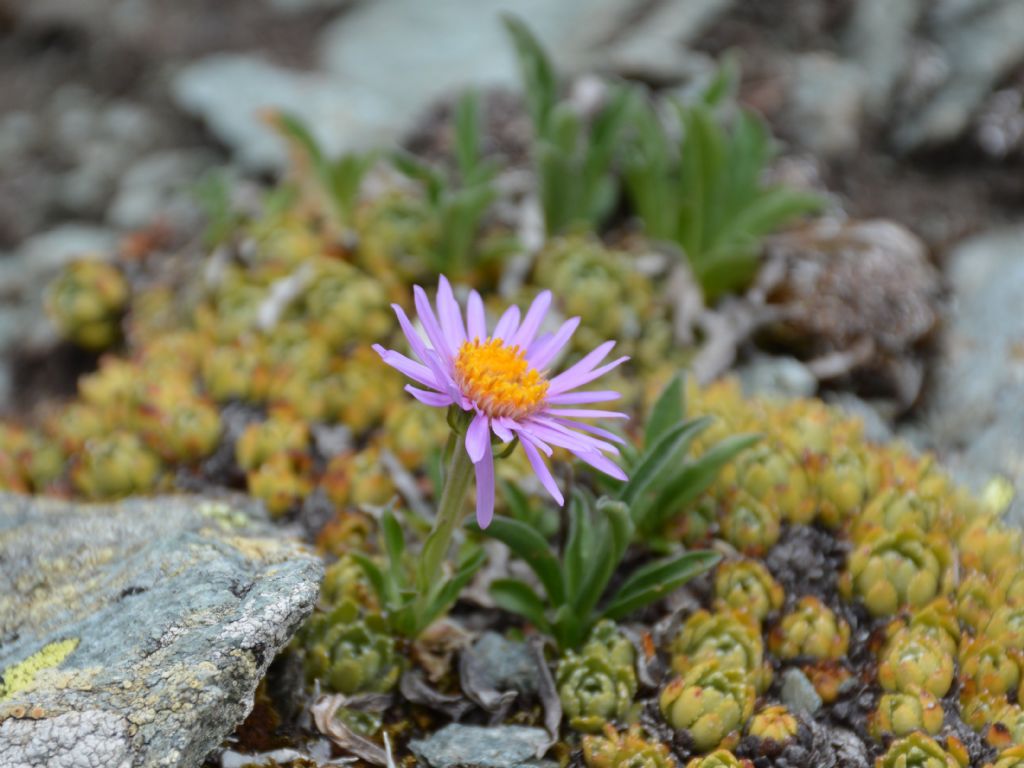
{"x":179,"y":426}
{"x":346,"y":532}
{"x":732,"y":639}
{"x":978,"y":708}
{"x":976,"y":599}
{"x":896,"y":509}
{"x":893,"y":570}
{"x":720,"y":758}
{"x":810,"y":629}
{"x":992,"y":666}
{"x":232,"y":371}
{"x":281,"y":433}
{"x":1007,"y":728}
{"x":709,"y":703}
{"x":414,"y":432}
{"x":367,"y":388}
{"x":628,"y":749}
{"x":594,"y":691}
{"x":748,"y":524}
{"x":1009,"y":758}
{"x":86,"y":301}
{"x":913,"y":661}
{"x":917,"y":751}
{"x":606,"y":639}
{"x":771,"y":474}
{"x":372,"y":485}
{"x":397,"y":235}
{"x":1007,"y":626}
{"x":847,"y":477}
{"x":989,"y":546}
{"x":345,"y":580}
{"x":350,"y":655}
{"x":114,"y":466}
{"x":775,"y":723}
{"x":40,"y":460}
{"x":346,"y":304}
{"x":747,"y":586}
{"x":281,"y":482}
{"x":694,"y":526}
{"x":901,"y":714}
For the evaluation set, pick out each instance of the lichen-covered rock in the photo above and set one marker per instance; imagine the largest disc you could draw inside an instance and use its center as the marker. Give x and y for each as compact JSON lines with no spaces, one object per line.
{"x":471,"y":746}
{"x":134,"y":634}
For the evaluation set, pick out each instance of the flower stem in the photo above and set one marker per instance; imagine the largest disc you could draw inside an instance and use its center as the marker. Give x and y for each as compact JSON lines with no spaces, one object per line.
{"x":449,"y":516}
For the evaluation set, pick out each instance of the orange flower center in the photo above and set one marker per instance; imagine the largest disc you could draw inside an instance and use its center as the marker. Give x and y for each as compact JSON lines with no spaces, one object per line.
{"x":498,"y":379}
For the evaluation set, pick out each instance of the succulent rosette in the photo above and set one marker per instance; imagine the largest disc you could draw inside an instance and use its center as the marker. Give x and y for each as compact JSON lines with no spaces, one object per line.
{"x":501,"y":379}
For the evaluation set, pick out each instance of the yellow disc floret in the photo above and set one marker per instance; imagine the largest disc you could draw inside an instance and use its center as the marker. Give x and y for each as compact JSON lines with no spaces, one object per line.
{"x":498,"y":379}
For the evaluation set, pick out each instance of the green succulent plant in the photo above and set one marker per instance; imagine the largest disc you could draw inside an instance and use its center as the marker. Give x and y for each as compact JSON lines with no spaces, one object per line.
{"x":917,"y":751}
{"x":810,"y":629}
{"x":1009,"y":758}
{"x":720,"y":758}
{"x":710,"y":703}
{"x":594,"y":690}
{"x":775,"y":723}
{"x":732,"y":639}
{"x":892,"y":570}
{"x":749,"y":524}
{"x":115,"y":466}
{"x":628,"y":749}
{"x":901,"y":714}
{"x":86,"y":301}
{"x":747,"y":586}
{"x":913,"y":661}
{"x":348,"y":654}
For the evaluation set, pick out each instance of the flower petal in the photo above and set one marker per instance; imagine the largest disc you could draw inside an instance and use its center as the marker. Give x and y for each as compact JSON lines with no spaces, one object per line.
{"x":478,"y":437}
{"x":585,"y":364}
{"x":450,"y":314}
{"x":578,"y":398}
{"x":436,"y":399}
{"x":475,"y":317}
{"x":541,"y":469}
{"x":579,"y":379}
{"x":602,"y":463}
{"x":412,"y":369}
{"x":592,"y":430}
{"x":503,"y":428}
{"x":507,"y":324}
{"x":586,"y":413}
{"x":485,"y":490}
{"x":431,"y":326}
{"x":544,"y":350}
{"x":531,"y":323}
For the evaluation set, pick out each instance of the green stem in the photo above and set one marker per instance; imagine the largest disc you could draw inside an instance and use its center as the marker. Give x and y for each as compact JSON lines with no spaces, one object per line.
{"x":449,"y":516}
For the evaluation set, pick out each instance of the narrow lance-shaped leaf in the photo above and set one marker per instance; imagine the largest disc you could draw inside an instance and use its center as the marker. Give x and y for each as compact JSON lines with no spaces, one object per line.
{"x":534,"y":550}
{"x":668,"y":411}
{"x":516,"y":597}
{"x":656,"y":580}
{"x":660,"y":455}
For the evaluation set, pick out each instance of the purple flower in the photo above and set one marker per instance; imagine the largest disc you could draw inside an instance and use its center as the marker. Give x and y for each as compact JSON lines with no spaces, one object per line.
{"x":502,"y":378}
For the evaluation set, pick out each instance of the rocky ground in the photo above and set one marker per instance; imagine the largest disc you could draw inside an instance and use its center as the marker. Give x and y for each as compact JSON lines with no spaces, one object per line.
{"x":113,"y":110}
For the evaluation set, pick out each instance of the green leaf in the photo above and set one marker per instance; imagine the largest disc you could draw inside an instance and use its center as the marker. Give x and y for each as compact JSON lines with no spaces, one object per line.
{"x":661,"y":454}
{"x":467,"y":133}
{"x":516,"y":597}
{"x":294,"y":129}
{"x":448,"y":592}
{"x":695,"y":478}
{"x":538,"y":75}
{"x":668,"y":410}
{"x":578,"y":545}
{"x":394,"y":543}
{"x":613,"y":532}
{"x":385,"y":590}
{"x":534,"y":550}
{"x":655,"y":580}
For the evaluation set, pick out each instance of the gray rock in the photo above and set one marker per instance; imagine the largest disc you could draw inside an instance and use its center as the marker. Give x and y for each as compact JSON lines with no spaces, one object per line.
{"x":877,"y":416}
{"x":657,"y":46}
{"x":777,"y":377}
{"x":229,"y":92}
{"x":470,"y":746}
{"x":171,"y":608}
{"x":503,"y":664}
{"x":977,"y":399}
{"x":879,"y":38}
{"x":826,"y":104}
{"x":160,"y":187}
{"x":798,"y":693}
{"x":981,"y":44}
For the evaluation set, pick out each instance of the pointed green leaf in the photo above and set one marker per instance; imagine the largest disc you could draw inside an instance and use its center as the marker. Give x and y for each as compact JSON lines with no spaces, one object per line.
{"x":656,"y":580}
{"x":668,"y":410}
{"x":661,"y":454}
{"x":516,"y":597}
{"x":534,"y":550}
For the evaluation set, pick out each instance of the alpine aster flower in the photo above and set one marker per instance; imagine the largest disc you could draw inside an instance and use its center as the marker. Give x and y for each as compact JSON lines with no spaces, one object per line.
{"x":502,"y":378}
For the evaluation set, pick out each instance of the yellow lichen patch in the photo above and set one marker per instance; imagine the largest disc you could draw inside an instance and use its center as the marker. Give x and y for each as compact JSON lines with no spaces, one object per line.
{"x":22,"y":675}
{"x":498,"y":379}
